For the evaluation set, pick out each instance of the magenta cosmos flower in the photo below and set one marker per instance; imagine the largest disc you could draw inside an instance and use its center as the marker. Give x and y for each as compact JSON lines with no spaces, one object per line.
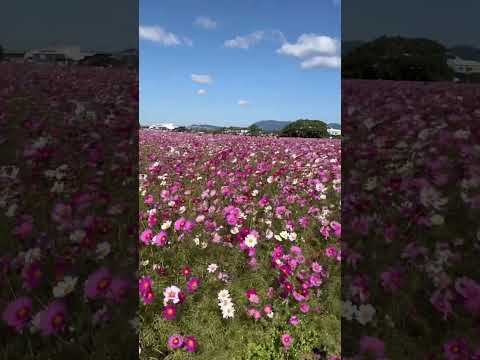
{"x":52,"y":320}
{"x":373,"y":346}
{"x":118,"y":290}
{"x":190,"y":343}
{"x":169,"y":312}
{"x":18,"y":313}
{"x":287,"y":340}
{"x":193,"y":284}
{"x":456,"y":349}
{"x":174,"y":342}
{"x":98,"y":283}
{"x":160,"y":240}
{"x":146,"y":236}
{"x":32,"y":275}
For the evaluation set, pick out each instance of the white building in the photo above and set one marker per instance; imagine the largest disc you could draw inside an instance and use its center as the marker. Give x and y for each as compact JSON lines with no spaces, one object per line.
{"x":61,"y":54}
{"x":334,"y":132}
{"x":462,"y":66}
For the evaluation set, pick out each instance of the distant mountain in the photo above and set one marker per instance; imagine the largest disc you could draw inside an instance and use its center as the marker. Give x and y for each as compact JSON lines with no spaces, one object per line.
{"x":205,"y":127}
{"x":465,"y":52}
{"x":272,"y":125}
{"x":334,"y":126}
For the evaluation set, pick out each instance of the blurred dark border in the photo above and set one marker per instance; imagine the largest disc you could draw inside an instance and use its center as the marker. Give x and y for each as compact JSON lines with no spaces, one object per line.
{"x":410,"y":180}
{"x":69,"y":180}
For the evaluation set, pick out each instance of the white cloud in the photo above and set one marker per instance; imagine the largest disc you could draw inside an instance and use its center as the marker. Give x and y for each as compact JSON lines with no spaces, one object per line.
{"x":247,"y":41}
{"x":205,"y":22}
{"x":321,"y":62}
{"x":201,"y":91}
{"x":316,"y":51}
{"x":201,"y":79}
{"x":243,"y":103}
{"x":161,"y":36}
{"x":310,"y":45}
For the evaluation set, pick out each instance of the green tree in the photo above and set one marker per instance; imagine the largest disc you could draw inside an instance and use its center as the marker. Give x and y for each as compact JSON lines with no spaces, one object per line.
{"x":305,"y":128}
{"x":254,"y":130}
{"x":398,"y":58}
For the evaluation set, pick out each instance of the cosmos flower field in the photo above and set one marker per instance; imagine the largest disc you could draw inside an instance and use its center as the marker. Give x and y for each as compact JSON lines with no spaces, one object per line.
{"x":410,"y":212}
{"x":239,"y":247}
{"x":68,"y":259}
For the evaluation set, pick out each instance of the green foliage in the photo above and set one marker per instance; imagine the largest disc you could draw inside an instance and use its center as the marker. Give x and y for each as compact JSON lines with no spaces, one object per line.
{"x":254,"y":130}
{"x":306,"y":128}
{"x":397,"y":58}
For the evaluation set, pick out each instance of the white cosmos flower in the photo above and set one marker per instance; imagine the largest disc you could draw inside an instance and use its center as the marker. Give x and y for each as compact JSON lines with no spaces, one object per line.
{"x":365,"y":313}
{"x":250,"y":240}
{"x":348,"y":310}
{"x":284,"y":234}
{"x":166,"y":225}
{"x":269,"y":234}
{"x":171,"y":294}
{"x":212,"y":268}
{"x":65,"y":287}
{"x":437,"y":219}
{"x":103,"y":249}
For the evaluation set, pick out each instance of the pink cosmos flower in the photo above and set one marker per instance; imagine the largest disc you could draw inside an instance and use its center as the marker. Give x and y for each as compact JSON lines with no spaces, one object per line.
{"x":18,"y":313}
{"x":456,"y":349}
{"x":254,"y":313}
{"x":331,"y":251}
{"x":287,"y":340}
{"x":193,"y":284}
{"x":175,"y":342}
{"x":304,"y":308}
{"x":98,"y":283}
{"x":190,"y":344}
{"x":118,"y":290}
{"x":160,"y":239}
{"x":373,"y":346}
{"x":267,"y":309}
{"x":470,"y":291}
{"x":169,"y":312}
{"x":32,"y":275}
{"x":294,"y":320}
{"x":146,"y":236}
{"x":52,"y":319}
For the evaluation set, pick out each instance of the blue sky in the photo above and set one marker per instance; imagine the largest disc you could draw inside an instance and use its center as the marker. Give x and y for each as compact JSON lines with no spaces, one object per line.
{"x":226,"y":62}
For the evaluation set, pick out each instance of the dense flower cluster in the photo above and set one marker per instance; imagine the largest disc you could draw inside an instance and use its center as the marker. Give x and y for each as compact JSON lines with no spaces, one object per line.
{"x":410,"y":216}
{"x":245,"y":225}
{"x":66,"y":266}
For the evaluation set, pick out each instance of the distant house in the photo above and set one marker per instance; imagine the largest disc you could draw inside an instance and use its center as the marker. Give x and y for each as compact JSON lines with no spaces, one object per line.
{"x":99,"y":59}
{"x":465,"y":67}
{"x":13,"y":57}
{"x":56,"y":55}
{"x":334,"y":132}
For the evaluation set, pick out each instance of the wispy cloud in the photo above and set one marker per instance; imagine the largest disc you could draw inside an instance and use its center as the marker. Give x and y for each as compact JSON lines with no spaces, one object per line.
{"x":205,"y":22}
{"x":316,"y":51}
{"x":321,"y":62}
{"x":243,"y":103}
{"x":163,"y":37}
{"x":201,"y":79}
{"x":252,"y":39}
{"x":201,"y":91}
